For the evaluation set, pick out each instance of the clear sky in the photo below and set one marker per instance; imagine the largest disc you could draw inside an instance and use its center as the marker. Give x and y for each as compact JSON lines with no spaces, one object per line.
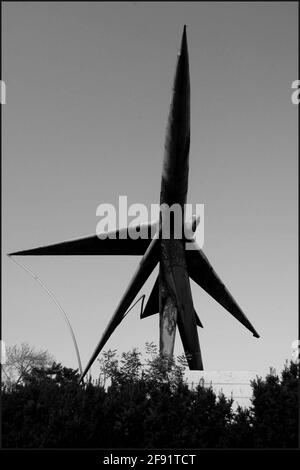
{"x":88,"y":91}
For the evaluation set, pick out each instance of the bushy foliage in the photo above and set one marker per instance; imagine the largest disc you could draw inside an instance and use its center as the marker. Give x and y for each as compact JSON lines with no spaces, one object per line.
{"x":275,"y":409}
{"x":143,"y":406}
{"x":22,"y":359}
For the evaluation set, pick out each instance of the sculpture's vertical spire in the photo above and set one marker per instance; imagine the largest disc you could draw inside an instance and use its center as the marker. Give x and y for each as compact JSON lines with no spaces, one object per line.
{"x":176,"y":153}
{"x":182,"y":75}
{"x":184,"y":49}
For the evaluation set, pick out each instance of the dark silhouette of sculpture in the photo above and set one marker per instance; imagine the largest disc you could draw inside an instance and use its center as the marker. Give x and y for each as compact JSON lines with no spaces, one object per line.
{"x":171,"y":295}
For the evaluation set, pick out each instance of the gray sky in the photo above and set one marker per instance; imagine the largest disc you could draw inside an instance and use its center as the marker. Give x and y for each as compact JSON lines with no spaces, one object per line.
{"x":88,"y":91}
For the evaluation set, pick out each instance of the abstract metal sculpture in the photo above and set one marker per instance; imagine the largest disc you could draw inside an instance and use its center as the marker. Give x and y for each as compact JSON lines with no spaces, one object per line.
{"x":171,"y":295}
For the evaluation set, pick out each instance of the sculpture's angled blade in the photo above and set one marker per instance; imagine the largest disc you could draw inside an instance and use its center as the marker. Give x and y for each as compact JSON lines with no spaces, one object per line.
{"x":145,"y":268}
{"x":120,"y":242}
{"x":201,"y":271}
{"x":186,"y":319}
{"x":198,"y":321}
{"x":152,"y":306}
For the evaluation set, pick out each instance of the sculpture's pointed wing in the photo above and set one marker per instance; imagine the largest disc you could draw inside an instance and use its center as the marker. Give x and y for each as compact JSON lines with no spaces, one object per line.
{"x":201,"y":271}
{"x":120,"y":242}
{"x":198,"y":321}
{"x":186,"y":319}
{"x":152,"y":306}
{"x":145,"y":268}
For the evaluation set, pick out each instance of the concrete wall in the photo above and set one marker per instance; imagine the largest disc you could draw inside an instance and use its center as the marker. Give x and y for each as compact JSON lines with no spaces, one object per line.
{"x":235,"y":384}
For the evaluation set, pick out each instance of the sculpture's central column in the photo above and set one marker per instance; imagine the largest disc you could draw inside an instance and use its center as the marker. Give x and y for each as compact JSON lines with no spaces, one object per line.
{"x":167,"y":321}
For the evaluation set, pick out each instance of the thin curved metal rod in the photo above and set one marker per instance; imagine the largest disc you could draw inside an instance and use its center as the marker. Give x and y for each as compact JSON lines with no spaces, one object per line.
{"x":51,"y":295}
